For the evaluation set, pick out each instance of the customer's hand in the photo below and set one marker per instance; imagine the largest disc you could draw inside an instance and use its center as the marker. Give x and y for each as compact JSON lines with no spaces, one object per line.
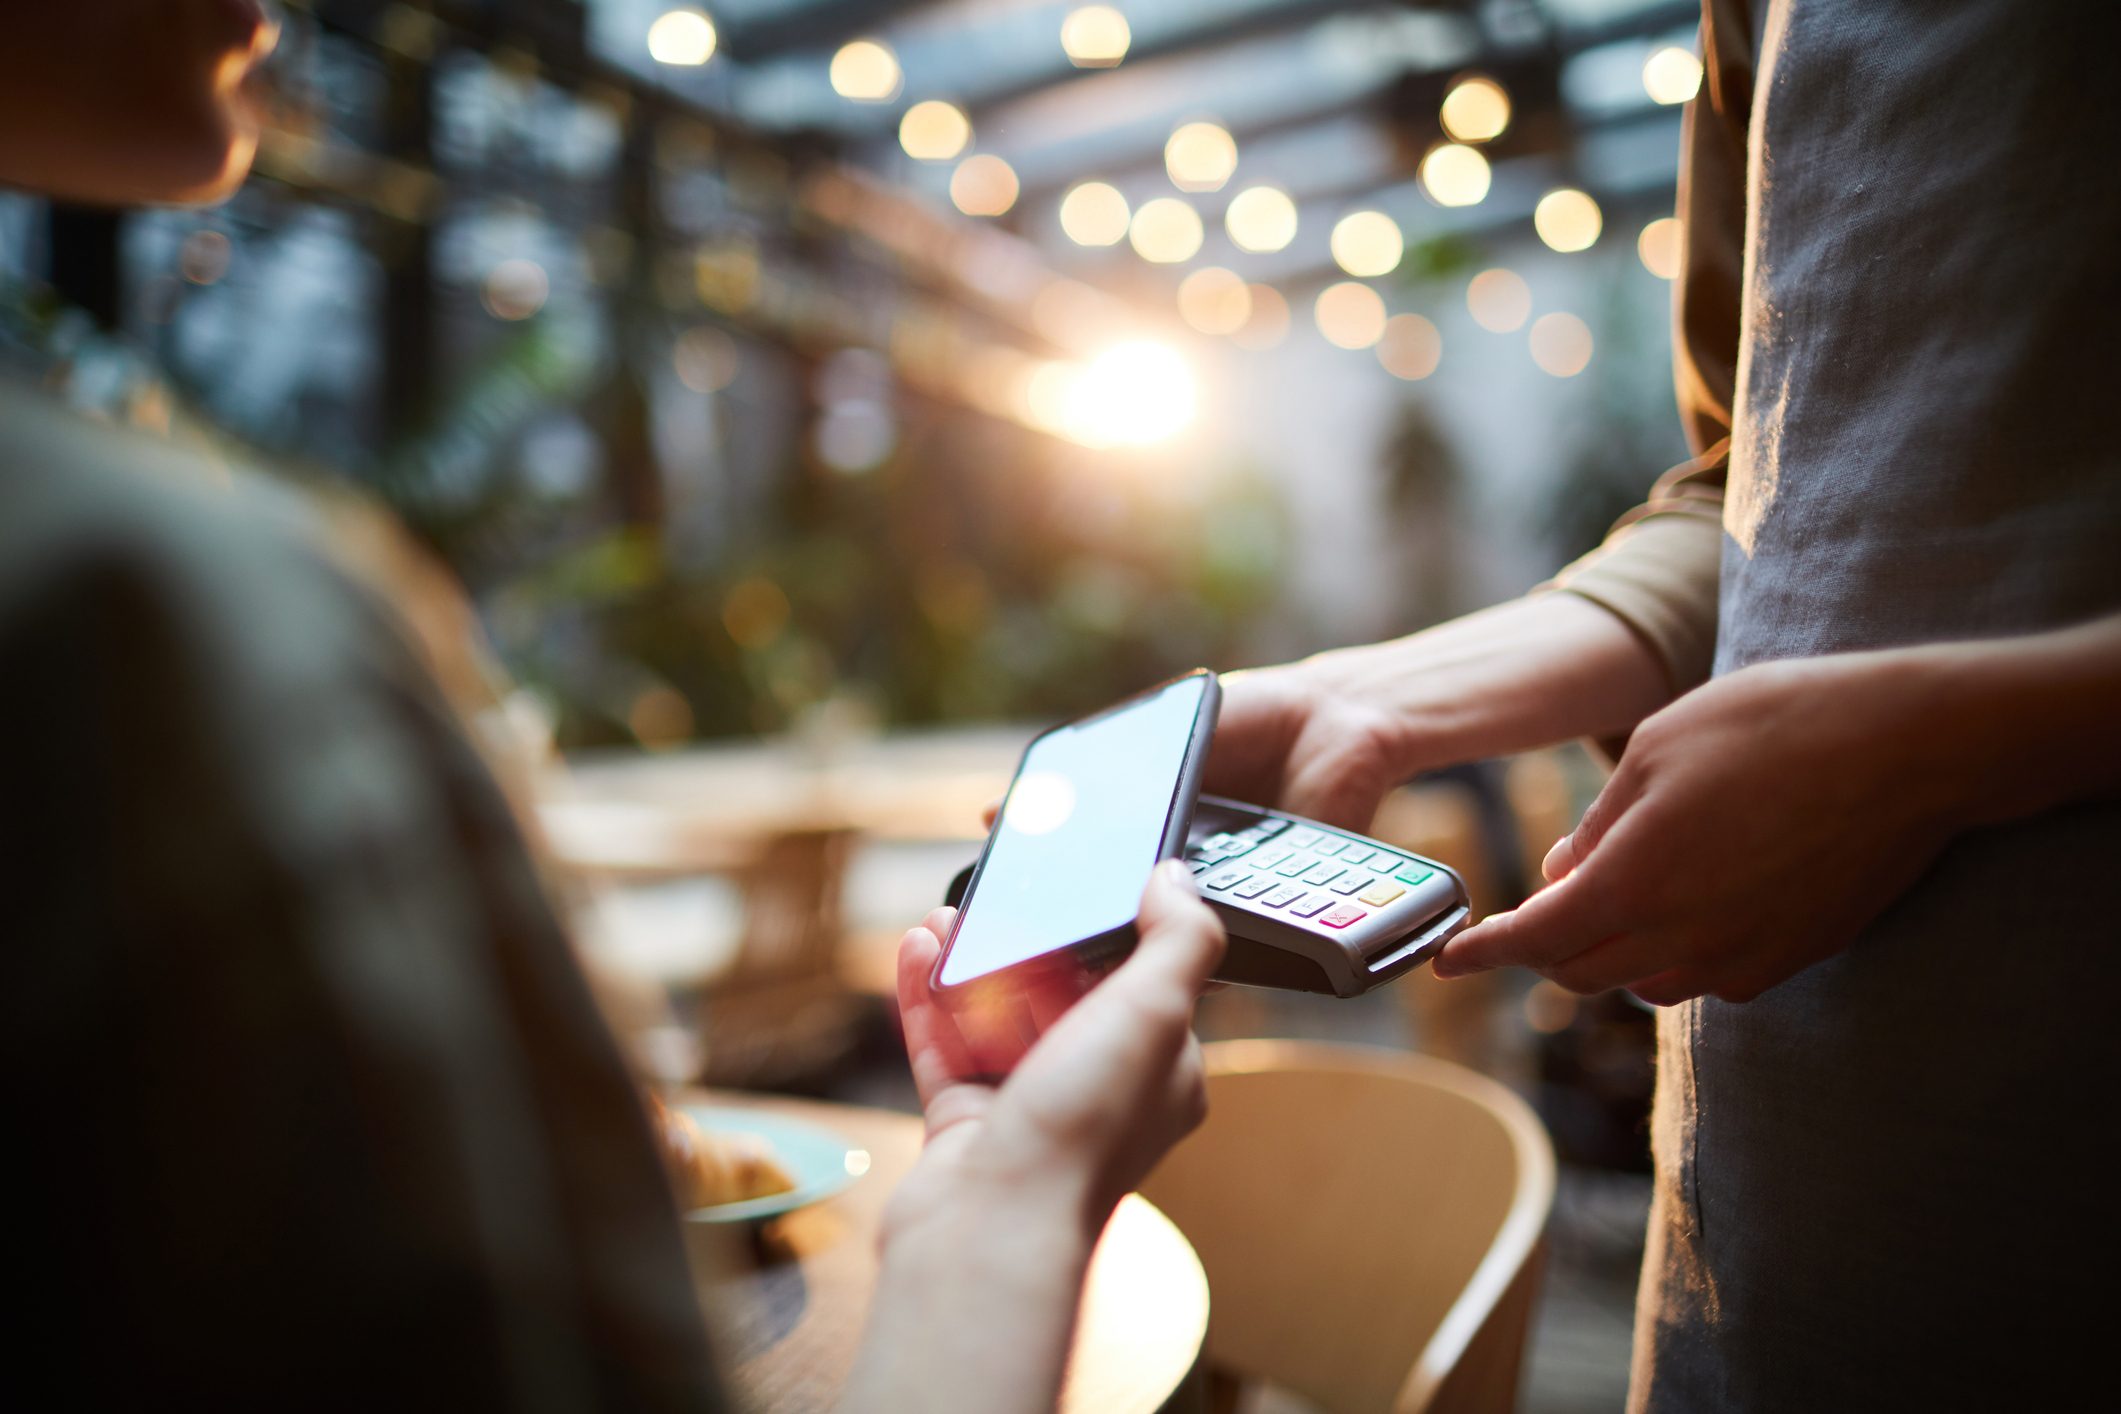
{"x":1751,"y":829}
{"x":1111,"y":1082}
{"x":986,"y":1242}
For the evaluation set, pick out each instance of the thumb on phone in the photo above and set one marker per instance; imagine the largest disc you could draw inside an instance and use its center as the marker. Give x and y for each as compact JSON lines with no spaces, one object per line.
{"x":1182,"y":941}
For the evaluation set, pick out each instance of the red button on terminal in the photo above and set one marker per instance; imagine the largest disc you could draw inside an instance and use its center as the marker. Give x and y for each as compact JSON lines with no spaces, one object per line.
{"x":1342,"y":916}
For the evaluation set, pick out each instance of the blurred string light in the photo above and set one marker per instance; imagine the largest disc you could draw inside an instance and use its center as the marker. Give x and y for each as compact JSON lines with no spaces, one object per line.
{"x":1268,"y":323}
{"x":660,"y":718}
{"x":1261,"y":220}
{"x":1561,"y":344}
{"x":1671,"y":75}
{"x":515,"y":289}
{"x":855,"y":437}
{"x":1214,"y":300}
{"x":1166,"y":231}
{"x":681,"y":37}
{"x":1367,"y":243}
{"x":1410,"y":348}
{"x":1455,"y":175}
{"x":1658,"y":245}
{"x":1200,"y":157}
{"x":704,"y":359}
{"x":754,"y":612}
{"x":1134,"y":394}
{"x":1350,"y":314}
{"x":983,"y":185}
{"x":934,"y":131}
{"x":1095,"y":37}
{"x":1499,"y":300}
{"x":1095,"y":214}
{"x":204,"y":256}
{"x":866,"y":71}
{"x":1568,"y":220}
{"x":1476,"y":110}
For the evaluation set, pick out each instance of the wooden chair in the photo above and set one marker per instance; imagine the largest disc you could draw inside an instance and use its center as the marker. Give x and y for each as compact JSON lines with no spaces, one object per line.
{"x":781,"y":1013}
{"x":1371,"y":1223}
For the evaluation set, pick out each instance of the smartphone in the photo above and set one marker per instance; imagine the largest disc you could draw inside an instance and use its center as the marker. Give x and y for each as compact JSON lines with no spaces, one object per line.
{"x":1095,"y":805}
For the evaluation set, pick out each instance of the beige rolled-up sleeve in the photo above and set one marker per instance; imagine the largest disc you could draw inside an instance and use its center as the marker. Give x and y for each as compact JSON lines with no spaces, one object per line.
{"x":1659,"y":567}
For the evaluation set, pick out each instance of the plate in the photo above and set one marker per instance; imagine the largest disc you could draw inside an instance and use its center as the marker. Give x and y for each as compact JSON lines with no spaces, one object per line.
{"x":820,"y":1162}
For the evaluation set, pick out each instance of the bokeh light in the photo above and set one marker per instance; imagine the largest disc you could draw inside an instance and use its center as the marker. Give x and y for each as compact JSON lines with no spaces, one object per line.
{"x":1261,"y":220}
{"x":705,"y":359}
{"x":1268,"y":323}
{"x":1671,"y":75}
{"x":1214,"y":300}
{"x":1658,"y":245}
{"x":1568,"y":220}
{"x":1350,"y":314}
{"x":983,"y":185}
{"x":1039,"y":803}
{"x":1166,"y":231}
{"x":1499,"y":300}
{"x":1561,"y":344}
{"x":660,"y":718}
{"x":1132,"y":395}
{"x":754,"y":611}
{"x":934,"y":131}
{"x":515,"y":289}
{"x":204,"y":257}
{"x":1476,"y":110}
{"x":1200,"y":157}
{"x":1095,"y":214}
{"x":685,"y":38}
{"x":854,"y":437}
{"x":1095,"y":37}
{"x":1367,"y":243}
{"x":866,"y":71}
{"x":1411,"y":347}
{"x":1455,"y":175}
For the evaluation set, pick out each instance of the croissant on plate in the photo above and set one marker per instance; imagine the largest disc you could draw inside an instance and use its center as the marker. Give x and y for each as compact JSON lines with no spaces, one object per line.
{"x":707,"y":1168}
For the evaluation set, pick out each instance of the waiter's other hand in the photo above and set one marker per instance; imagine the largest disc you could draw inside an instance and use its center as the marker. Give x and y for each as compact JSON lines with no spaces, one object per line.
{"x":1752,"y":828}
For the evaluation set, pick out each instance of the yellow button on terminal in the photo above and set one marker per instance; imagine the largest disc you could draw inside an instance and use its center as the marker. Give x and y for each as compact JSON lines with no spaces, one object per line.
{"x":1380,"y":894}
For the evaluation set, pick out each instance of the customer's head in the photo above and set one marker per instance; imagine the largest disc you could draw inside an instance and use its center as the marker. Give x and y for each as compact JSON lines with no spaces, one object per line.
{"x":123,"y":101}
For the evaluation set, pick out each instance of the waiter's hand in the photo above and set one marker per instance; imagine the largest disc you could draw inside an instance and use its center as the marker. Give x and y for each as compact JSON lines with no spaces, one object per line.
{"x":1752,"y":828}
{"x":1298,"y":738}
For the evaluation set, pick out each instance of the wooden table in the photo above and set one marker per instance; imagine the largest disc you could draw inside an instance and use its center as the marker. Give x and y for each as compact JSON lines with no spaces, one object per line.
{"x":788,"y":1301}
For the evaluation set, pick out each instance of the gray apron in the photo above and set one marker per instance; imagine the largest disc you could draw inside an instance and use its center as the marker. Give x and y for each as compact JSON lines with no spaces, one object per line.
{"x":1888,"y":1182}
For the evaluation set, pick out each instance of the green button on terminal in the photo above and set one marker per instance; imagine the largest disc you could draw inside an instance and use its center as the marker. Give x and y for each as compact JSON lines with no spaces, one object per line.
{"x":1413,"y":874}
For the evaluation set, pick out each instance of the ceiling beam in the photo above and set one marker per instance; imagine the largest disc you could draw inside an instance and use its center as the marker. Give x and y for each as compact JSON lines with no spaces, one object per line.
{"x":823,"y":25}
{"x":1515,"y":69}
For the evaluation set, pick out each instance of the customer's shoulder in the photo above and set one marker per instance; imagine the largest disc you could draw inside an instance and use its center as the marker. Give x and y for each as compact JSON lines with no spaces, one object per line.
{"x":130,"y":540}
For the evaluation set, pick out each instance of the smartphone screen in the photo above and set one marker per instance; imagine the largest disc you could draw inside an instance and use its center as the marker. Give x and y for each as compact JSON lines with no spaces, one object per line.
{"x":1079,"y":832}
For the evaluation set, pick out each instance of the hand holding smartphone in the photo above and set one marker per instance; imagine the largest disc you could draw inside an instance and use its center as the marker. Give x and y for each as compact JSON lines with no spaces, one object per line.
{"x":1095,"y":805}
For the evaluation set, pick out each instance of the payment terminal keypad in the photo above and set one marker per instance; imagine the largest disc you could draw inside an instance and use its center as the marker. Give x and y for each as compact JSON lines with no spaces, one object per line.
{"x":1304,"y":873}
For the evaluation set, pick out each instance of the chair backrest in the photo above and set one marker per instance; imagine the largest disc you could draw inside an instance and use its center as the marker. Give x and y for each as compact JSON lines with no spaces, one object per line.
{"x":1370,"y":1221}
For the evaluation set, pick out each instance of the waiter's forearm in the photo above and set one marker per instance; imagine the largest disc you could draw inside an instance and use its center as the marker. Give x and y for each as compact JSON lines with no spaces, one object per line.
{"x":1528,"y":673}
{"x":2034,"y":722}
